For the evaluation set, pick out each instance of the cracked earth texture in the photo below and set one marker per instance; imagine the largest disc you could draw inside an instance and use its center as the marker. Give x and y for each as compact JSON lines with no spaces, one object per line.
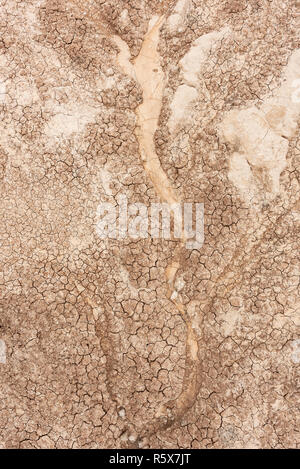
{"x":142,"y":343}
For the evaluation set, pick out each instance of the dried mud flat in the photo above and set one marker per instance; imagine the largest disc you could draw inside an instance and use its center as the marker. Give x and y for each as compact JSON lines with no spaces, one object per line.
{"x":143,"y":343}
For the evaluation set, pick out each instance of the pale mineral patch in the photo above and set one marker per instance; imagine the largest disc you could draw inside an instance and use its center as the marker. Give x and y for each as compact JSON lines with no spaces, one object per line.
{"x":193,"y":61}
{"x":191,"y":68}
{"x":70,"y":119}
{"x":2,"y":352}
{"x":177,"y":19}
{"x":260,"y":135}
{"x":181,"y":105}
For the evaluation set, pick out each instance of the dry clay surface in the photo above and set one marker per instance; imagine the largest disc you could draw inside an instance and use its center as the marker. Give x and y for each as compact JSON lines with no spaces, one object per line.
{"x":144,"y":343}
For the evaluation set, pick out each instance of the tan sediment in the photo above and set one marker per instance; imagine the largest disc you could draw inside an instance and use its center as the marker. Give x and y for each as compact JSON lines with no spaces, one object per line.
{"x":124,"y":56}
{"x":171,"y":272}
{"x":151,"y":79}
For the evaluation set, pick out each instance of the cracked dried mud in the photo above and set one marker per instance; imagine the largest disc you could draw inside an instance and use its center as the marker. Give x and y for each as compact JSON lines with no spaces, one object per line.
{"x":141,"y":342}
